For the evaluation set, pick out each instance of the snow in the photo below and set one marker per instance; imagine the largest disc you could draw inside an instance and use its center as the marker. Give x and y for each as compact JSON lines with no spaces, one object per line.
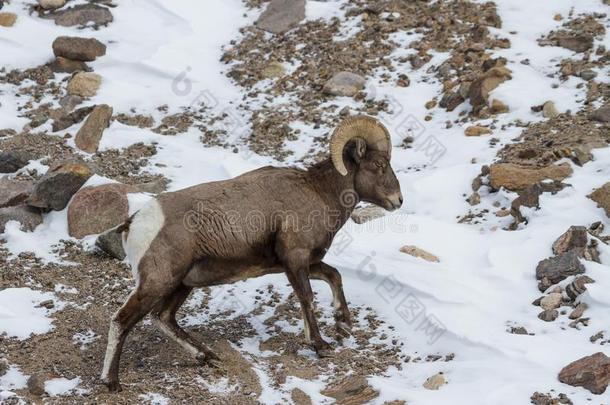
{"x":20,"y":314}
{"x":485,"y":281}
{"x":13,"y":379}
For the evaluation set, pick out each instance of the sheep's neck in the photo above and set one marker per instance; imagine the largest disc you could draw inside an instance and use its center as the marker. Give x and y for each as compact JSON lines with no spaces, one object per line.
{"x":336,"y":190}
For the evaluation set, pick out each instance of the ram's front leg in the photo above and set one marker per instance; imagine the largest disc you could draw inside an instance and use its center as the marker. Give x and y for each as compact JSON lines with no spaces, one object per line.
{"x":322,"y":271}
{"x":297,"y":270}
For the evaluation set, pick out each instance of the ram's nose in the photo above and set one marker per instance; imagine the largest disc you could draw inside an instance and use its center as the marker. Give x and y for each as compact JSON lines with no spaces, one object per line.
{"x":395,"y":200}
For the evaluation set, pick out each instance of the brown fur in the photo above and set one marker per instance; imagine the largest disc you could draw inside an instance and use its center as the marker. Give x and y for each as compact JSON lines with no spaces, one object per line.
{"x":269,"y":220}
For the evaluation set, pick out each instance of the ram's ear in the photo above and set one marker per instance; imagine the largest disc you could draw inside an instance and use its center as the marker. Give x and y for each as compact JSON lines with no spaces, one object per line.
{"x":357,"y":149}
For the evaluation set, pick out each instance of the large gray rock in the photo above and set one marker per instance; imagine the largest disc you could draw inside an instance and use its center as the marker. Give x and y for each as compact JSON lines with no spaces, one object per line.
{"x":55,"y":189}
{"x":94,"y":210}
{"x":111,"y":243}
{"x":11,"y":161}
{"x":83,"y":14}
{"x":590,"y":372}
{"x":89,"y":135}
{"x":344,"y":84}
{"x":555,"y":269}
{"x":13,"y":192}
{"x":281,"y":15}
{"x":77,"y":48}
{"x":28,"y":217}
{"x":602,"y":114}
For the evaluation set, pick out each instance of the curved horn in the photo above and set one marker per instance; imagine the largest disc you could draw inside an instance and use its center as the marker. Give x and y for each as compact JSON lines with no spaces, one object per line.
{"x":373,"y":132}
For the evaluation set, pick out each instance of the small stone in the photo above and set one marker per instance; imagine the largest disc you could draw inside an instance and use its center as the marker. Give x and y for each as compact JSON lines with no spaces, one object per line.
{"x":590,"y":372}
{"x":11,"y":161}
{"x":153,"y":187}
{"x":111,"y":242}
{"x":344,"y":84}
{"x":273,"y":70}
{"x":576,"y":43}
{"x":548,"y":315}
{"x":474,"y":199}
{"x":514,"y":177}
{"x":84,"y":84}
{"x":7,"y":19}
{"x":51,"y":4}
{"x":67,"y":120}
{"x":518,"y":330}
{"x":55,"y":189}
{"x":502,"y":213}
{"x":602,"y":197}
{"x":434,"y":382}
{"x":89,"y":135}
{"x":353,"y":389}
{"x":77,"y":48}
{"x":366,"y":214}
{"x":578,"y":311}
{"x":96,"y":209}
{"x":477,"y":130}
{"x":549,"y":110}
{"x":68,"y":103}
{"x":558,"y":268}
{"x":281,"y":15}
{"x":417,"y":252}
{"x":48,"y":304}
{"x":13,"y":192}
{"x":551,"y":301}
{"x":28,"y":217}
{"x":83,"y":14}
{"x":588,"y":74}
{"x":498,"y":107}
{"x":602,"y":114}
{"x":430,"y":104}
{"x":574,"y":238}
{"x":63,"y":65}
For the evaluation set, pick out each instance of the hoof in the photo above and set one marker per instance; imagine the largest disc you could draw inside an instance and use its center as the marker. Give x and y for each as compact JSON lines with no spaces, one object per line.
{"x":113,"y":386}
{"x":343,"y":329}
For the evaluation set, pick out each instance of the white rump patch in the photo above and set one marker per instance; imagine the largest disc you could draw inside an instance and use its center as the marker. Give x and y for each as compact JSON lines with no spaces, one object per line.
{"x":143,"y":230}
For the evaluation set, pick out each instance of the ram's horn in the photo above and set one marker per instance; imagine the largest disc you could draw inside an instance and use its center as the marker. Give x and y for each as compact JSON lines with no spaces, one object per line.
{"x":373,"y":132}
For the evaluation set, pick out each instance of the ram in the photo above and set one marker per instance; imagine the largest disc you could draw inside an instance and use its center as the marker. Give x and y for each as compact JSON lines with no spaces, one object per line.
{"x":270,"y":220}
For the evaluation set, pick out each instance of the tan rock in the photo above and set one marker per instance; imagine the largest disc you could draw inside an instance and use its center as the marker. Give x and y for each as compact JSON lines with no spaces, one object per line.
{"x":89,"y":135}
{"x":551,"y":301}
{"x":430,"y":104}
{"x":602,"y":197}
{"x":590,"y":372}
{"x":514,"y":177}
{"x":417,"y":252}
{"x":578,"y":311}
{"x":273,"y":70}
{"x":51,"y":4}
{"x":7,"y":19}
{"x":55,"y":189}
{"x":498,"y":107}
{"x":434,"y":382}
{"x":549,"y":110}
{"x":84,"y":84}
{"x":479,"y":90}
{"x":477,"y":130}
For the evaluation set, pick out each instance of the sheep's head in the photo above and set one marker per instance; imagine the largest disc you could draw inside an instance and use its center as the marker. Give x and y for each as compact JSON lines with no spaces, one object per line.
{"x":364,"y":144}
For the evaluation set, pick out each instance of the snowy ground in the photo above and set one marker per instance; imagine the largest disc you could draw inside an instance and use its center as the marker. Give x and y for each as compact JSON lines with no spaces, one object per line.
{"x":168,"y":53}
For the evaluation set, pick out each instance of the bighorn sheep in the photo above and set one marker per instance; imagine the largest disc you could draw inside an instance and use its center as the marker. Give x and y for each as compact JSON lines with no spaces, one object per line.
{"x":204,"y":236}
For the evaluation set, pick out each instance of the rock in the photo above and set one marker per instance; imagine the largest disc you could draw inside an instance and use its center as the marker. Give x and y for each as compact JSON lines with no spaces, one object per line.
{"x":417,"y":252}
{"x":351,"y":390}
{"x":84,"y":84}
{"x":502,"y":213}
{"x":498,"y":107}
{"x":83,"y":14}
{"x":474,"y":199}
{"x":556,"y":269}
{"x":281,"y":15}
{"x":430,"y":104}
{"x":578,"y":311}
{"x":576,"y":43}
{"x":77,"y":48}
{"x":51,"y":4}
{"x":477,"y":130}
{"x":590,"y":372}
{"x":514,"y":177}
{"x":67,"y":120}
{"x":89,"y":135}
{"x":602,"y":114}
{"x":518,"y":330}
{"x":11,"y":161}
{"x":602,"y":197}
{"x":63,"y":65}
{"x":528,"y":197}
{"x":13,"y":192}
{"x":35,"y":384}
{"x":551,"y":301}
{"x":574,"y":238}
{"x":451,"y":100}
{"x":111,"y":242}
{"x":28,"y":217}
{"x":548,"y":315}
{"x":68,"y":103}
{"x":273,"y":70}
{"x":154,"y":187}
{"x":7,"y":19}
{"x":362,"y":215}
{"x":478,"y":92}
{"x":549,"y":110}
{"x":299,"y":397}
{"x":344,"y":84}
{"x":94,"y":210}
{"x":578,"y":286}
{"x":588,"y":74}
{"x":434,"y":382}
{"x":55,"y":189}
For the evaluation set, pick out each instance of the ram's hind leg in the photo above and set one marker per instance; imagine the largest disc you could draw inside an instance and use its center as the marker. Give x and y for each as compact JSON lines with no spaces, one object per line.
{"x":165,"y":319}
{"x":330,"y":275}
